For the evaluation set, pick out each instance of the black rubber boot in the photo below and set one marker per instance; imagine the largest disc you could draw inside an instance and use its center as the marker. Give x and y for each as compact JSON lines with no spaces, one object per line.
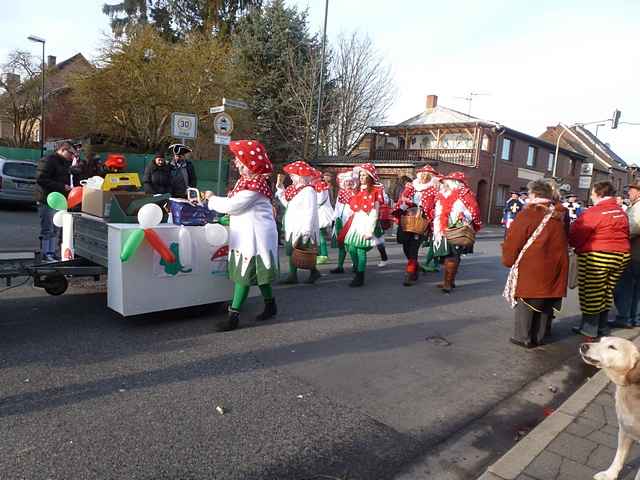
{"x":337,"y":270}
{"x":270,"y":310}
{"x":313,"y":276}
{"x":229,"y":323}
{"x":358,"y":280}
{"x":410,"y":279}
{"x":604,"y":328}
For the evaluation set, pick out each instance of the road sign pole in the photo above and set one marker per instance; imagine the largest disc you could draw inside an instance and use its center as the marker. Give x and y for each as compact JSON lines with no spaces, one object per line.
{"x":219,"y":170}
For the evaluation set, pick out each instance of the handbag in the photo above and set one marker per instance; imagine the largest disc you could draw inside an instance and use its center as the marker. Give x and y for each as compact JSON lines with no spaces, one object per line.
{"x":185,"y":213}
{"x":573,"y":269}
{"x":463,"y":236}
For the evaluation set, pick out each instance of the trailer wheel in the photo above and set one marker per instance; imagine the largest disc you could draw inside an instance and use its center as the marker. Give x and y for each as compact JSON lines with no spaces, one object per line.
{"x":55,"y":284}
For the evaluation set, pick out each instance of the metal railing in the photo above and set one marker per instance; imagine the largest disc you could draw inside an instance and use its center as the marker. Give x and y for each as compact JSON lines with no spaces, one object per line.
{"x":458,"y":156}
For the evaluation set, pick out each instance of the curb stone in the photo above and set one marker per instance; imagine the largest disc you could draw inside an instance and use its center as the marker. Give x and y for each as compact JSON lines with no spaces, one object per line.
{"x":515,"y":461}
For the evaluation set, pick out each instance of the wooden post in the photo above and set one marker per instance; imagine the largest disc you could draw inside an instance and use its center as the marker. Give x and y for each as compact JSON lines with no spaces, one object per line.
{"x":372,"y":147}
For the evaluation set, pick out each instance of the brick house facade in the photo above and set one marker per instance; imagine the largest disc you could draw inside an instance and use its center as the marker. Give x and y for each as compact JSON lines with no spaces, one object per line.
{"x":494,"y":158}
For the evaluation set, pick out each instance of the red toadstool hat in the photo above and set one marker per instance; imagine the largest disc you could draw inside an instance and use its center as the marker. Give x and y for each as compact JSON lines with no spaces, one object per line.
{"x":457,"y":176}
{"x":300,"y":168}
{"x":427,"y":169}
{"x":253,"y":155}
{"x":369,"y":169}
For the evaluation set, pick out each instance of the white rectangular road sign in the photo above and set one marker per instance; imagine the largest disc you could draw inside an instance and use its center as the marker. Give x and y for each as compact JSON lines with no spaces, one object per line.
{"x":219,"y":109}
{"x":586,"y":169}
{"x":235,"y":103}
{"x":584,"y":182}
{"x":221,"y":139}
{"x":184,"y":125}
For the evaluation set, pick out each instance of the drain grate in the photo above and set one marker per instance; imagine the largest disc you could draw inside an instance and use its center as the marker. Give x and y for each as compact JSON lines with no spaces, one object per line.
{"x":438,"y":340}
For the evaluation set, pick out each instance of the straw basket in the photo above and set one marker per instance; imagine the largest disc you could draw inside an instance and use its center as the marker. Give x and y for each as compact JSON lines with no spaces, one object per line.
{"x":414,"y":222}
{"x":464,"y":236}
{"x":304,"y":258}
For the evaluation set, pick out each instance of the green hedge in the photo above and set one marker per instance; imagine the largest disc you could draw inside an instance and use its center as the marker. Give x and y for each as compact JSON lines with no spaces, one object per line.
{"x":206,"y":170}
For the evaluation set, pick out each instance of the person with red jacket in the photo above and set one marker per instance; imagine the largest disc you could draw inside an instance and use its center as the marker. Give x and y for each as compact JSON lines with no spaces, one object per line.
{"x":600,"y":237}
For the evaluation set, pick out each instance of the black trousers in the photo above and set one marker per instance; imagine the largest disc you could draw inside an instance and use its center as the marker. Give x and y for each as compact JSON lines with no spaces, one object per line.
{"x":532,"y":318}
{"x":411,"y":243}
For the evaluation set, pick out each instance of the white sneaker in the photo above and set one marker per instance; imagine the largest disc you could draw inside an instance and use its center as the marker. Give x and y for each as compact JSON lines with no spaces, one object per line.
{"x":382,"y":264}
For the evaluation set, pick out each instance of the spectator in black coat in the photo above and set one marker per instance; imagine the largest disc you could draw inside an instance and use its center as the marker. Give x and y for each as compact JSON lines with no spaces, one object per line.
{"x":52,"y":175}
{"x":157,"y":176}
{"x":183,"y":173}
{"x":82,"y":169}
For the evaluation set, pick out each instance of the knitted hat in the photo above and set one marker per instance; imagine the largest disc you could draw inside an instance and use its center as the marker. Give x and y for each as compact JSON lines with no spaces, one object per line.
{"x":253,"y":155}
{"x":369,"y":169}
{"x":300,"y":168}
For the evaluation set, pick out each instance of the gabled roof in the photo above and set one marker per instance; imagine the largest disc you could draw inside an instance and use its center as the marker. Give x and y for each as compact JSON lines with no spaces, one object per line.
{"x":443,"y":115}
{"x":581,"y":140}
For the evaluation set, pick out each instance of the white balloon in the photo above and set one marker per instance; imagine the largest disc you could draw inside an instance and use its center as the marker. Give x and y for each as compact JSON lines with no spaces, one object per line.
{"x":185,"y":247}
{"x":150,"y":215}
{"x":58,"y":218}
{"x":216,"y":234}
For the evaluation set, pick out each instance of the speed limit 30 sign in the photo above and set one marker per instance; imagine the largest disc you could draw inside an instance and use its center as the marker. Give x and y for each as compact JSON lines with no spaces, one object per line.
{"x":184,"y":125}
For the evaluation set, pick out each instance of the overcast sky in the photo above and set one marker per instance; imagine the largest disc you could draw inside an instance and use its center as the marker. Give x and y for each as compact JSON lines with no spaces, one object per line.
{"x":541,"y":62}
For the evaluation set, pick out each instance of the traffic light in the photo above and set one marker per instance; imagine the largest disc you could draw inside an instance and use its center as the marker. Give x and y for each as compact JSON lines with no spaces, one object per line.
{"x":615,"y":118}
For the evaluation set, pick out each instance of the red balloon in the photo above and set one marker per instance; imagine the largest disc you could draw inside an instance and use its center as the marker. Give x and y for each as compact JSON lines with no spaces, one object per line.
{"x":75,"y":197}
{"x":159,"y":246}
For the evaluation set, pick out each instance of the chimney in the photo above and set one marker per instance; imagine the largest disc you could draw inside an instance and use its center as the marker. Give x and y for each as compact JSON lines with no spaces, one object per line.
{"x":432,"y":102}
{"x":13,"y":80}
{"x":51,"y":61}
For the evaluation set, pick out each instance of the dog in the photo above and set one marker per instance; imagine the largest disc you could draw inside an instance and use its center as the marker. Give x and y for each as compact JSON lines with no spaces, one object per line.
{"x":620,"y":360}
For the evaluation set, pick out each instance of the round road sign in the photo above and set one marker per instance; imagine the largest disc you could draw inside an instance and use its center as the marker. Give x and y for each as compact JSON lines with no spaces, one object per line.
{"x":223,"y":124}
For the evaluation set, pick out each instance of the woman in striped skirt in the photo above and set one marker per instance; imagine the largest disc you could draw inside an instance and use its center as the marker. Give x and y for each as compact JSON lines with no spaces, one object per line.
{"x":601,"y":239}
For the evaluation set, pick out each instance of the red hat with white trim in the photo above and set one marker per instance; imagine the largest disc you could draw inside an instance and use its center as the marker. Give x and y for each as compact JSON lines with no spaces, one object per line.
{"x":457,"y":176}
{"x":300,"y":168}
{"x":369,"y":169}
{"x":253,"y":155}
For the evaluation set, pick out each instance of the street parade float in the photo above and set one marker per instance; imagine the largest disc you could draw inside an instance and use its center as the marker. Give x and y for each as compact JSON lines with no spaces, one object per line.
{"x":160,"y":253}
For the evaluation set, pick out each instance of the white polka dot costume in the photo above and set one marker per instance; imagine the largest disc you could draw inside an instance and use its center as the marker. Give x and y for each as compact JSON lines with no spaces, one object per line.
{"x":253,"y":237}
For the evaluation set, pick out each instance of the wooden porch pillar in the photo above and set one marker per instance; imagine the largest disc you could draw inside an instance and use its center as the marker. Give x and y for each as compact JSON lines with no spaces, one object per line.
{"x":372,"y":147}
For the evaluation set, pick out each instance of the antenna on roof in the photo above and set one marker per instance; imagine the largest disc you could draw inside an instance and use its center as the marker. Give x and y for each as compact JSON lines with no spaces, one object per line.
{"x":469,"y":99}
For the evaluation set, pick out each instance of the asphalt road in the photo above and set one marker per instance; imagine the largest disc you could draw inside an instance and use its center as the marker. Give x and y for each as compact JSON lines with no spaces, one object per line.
{"x":19,"y":226}
{"x":344,"y":384}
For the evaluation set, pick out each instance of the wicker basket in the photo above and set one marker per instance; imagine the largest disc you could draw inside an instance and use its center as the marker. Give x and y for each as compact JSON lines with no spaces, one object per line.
{"x":415,"y":222}
{"x":304,"y":258}
{"x":464,"y":236}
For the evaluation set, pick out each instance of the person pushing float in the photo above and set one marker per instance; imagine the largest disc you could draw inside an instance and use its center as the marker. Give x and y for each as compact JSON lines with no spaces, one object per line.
{"x":253,"y":237}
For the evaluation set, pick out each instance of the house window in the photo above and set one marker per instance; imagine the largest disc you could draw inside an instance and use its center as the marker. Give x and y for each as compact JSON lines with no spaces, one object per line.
{"x":531,"y":156}
{"x":426,"y":141}
{"x":550,"y":161}
{"x":506,"y":149}
{"x":485,"y":143}
{"x":457,"y":141}
{"x":501,"y":195}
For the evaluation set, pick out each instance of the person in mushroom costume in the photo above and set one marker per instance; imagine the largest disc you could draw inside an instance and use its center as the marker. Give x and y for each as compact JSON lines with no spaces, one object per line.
{"x":301,"y":223}
{"x":341,"y":214}
{"x":363,"y":227}
{"x":456,"y":205}
{"x":325,"y":216}
{"x":253,"y":237}
{"x":419,"y":194}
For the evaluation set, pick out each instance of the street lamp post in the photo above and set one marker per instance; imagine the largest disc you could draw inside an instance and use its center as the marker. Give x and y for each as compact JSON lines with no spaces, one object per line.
{"x":324,"y":41}
{"x":41,"y":40}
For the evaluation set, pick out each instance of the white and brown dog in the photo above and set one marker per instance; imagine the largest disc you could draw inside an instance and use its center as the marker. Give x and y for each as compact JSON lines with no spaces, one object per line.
{"x":620,"y":359}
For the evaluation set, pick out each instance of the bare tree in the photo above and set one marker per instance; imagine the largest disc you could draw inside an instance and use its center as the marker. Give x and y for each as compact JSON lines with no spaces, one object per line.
{"x":362,"y":94}
{"x":20,"y":93}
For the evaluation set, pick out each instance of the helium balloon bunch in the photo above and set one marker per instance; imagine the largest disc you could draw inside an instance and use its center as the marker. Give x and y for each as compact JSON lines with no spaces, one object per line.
{"x":149,"y":216}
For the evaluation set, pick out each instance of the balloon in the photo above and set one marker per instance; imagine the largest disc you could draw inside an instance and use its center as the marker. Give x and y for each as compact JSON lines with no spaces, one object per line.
{"x":159,"y":246}
{"x":75,"y":197}
{"x":58,"y":218}
{"x":149,"y":216}
{"x":57,"y":201}
{"x":215,"y":234}
{"x":131,"y":244}
{"x":185,"y":247}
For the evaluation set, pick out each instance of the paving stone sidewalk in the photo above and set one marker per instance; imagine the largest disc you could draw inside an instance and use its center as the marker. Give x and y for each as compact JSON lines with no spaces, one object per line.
{"x":576,"y":442}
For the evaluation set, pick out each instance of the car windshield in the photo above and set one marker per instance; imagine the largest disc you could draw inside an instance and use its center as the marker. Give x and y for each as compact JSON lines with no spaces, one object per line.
{"x":20,"y":170}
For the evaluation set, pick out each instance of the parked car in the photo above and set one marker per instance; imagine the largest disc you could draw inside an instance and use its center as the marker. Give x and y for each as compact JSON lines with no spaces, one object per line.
{"x":17,"y":180}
